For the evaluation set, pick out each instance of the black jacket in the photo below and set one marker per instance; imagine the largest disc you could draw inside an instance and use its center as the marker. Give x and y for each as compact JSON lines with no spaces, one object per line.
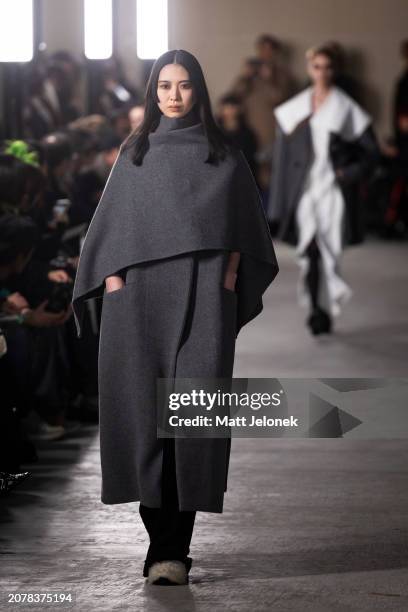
{"x":292,"y":158}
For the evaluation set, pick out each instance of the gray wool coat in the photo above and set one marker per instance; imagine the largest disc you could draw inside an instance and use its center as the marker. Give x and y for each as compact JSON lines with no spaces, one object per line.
{"x":167,"y":228}
{"x":192,"y":336}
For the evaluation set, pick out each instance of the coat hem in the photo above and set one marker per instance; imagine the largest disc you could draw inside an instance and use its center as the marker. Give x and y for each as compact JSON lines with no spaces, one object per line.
{"x":196,"y":508}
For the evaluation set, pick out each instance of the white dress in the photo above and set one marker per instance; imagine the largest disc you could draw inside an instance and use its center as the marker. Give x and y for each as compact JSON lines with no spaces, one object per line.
{"x":321,"y":209}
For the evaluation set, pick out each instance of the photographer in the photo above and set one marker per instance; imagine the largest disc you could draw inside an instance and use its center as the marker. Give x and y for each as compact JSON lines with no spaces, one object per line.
{"x":18,"y":237}
{"x":35,"y":295}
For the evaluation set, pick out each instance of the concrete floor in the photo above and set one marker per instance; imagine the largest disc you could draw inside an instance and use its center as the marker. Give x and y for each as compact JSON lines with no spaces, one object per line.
{"x":313,"y":524}
{"x":371,"y":334}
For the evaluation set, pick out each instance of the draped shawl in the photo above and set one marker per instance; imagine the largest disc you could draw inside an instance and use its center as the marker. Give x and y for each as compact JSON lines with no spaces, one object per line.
{"x":176,"y":203}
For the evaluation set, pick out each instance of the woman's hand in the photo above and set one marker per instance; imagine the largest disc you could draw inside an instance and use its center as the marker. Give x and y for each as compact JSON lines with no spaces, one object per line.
{"x":58,"y":276}
{"x":113,"y":283}
{"x":14,"y":303}
{"x":232,"y":270}
{"x":40,"y":317}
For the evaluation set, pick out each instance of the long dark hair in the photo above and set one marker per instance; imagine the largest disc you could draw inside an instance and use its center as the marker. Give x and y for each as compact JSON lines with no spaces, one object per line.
{"x":138,"y":139}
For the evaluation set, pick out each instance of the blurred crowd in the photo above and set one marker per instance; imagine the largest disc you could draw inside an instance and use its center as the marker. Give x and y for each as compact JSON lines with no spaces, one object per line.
{"x":51,"y":179}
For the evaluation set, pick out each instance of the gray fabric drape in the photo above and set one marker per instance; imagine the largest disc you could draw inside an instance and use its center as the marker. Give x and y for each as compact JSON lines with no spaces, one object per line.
{"x":175,"y":203}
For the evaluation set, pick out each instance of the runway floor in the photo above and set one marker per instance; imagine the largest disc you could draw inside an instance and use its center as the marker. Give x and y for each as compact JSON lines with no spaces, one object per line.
{"x":308,"y":525}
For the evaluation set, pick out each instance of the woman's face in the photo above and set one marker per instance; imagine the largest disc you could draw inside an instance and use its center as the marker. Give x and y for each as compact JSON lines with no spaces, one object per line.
{"x":175,"y":91}
{"x":320,"y":70}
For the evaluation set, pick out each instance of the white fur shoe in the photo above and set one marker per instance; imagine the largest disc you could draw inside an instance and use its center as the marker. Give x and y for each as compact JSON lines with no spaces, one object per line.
{"x":167,"y":572}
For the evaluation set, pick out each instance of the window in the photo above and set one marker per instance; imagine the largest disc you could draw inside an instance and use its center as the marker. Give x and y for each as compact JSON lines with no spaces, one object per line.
{"x":16,"y":31}
{"x":98,"y":28}
{"x":152,"y":28}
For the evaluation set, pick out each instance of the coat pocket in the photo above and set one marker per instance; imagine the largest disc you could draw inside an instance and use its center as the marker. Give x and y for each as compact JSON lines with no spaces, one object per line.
{"x":122,"y":343}
{"x":110,"y":293}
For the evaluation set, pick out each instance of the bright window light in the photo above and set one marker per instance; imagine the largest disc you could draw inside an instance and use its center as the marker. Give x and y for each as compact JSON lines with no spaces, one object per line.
{"x":16,"y":31}
{"x":98,"y":28}
{"x":152,"y":36}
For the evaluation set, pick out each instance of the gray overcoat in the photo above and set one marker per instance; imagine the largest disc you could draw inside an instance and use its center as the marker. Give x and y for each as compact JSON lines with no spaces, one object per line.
{"x":173,"y":317}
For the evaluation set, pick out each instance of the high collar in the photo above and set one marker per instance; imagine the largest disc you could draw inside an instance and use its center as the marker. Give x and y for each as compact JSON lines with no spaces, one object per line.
{"x":168,"y":124}
{"x":179,"y":130}
{"x":338,"y":113}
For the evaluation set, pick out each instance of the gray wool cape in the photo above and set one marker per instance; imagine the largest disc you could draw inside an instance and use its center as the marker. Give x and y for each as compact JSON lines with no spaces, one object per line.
{"x":167,"y":228}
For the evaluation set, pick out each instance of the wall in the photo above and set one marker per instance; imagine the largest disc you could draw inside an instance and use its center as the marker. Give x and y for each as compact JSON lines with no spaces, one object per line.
{"x":221,"y":34}
{"x":63,"y":28}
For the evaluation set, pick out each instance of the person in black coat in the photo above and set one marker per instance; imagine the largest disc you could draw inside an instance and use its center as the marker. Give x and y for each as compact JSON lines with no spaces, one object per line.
{"x":401,"y":91}
{"x":231,"y":119}
{"x":324,"y":145}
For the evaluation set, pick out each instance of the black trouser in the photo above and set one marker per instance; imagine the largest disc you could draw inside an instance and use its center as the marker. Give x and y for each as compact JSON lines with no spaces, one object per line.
{"x":170,"y":530}
{"x":312,"y":277}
